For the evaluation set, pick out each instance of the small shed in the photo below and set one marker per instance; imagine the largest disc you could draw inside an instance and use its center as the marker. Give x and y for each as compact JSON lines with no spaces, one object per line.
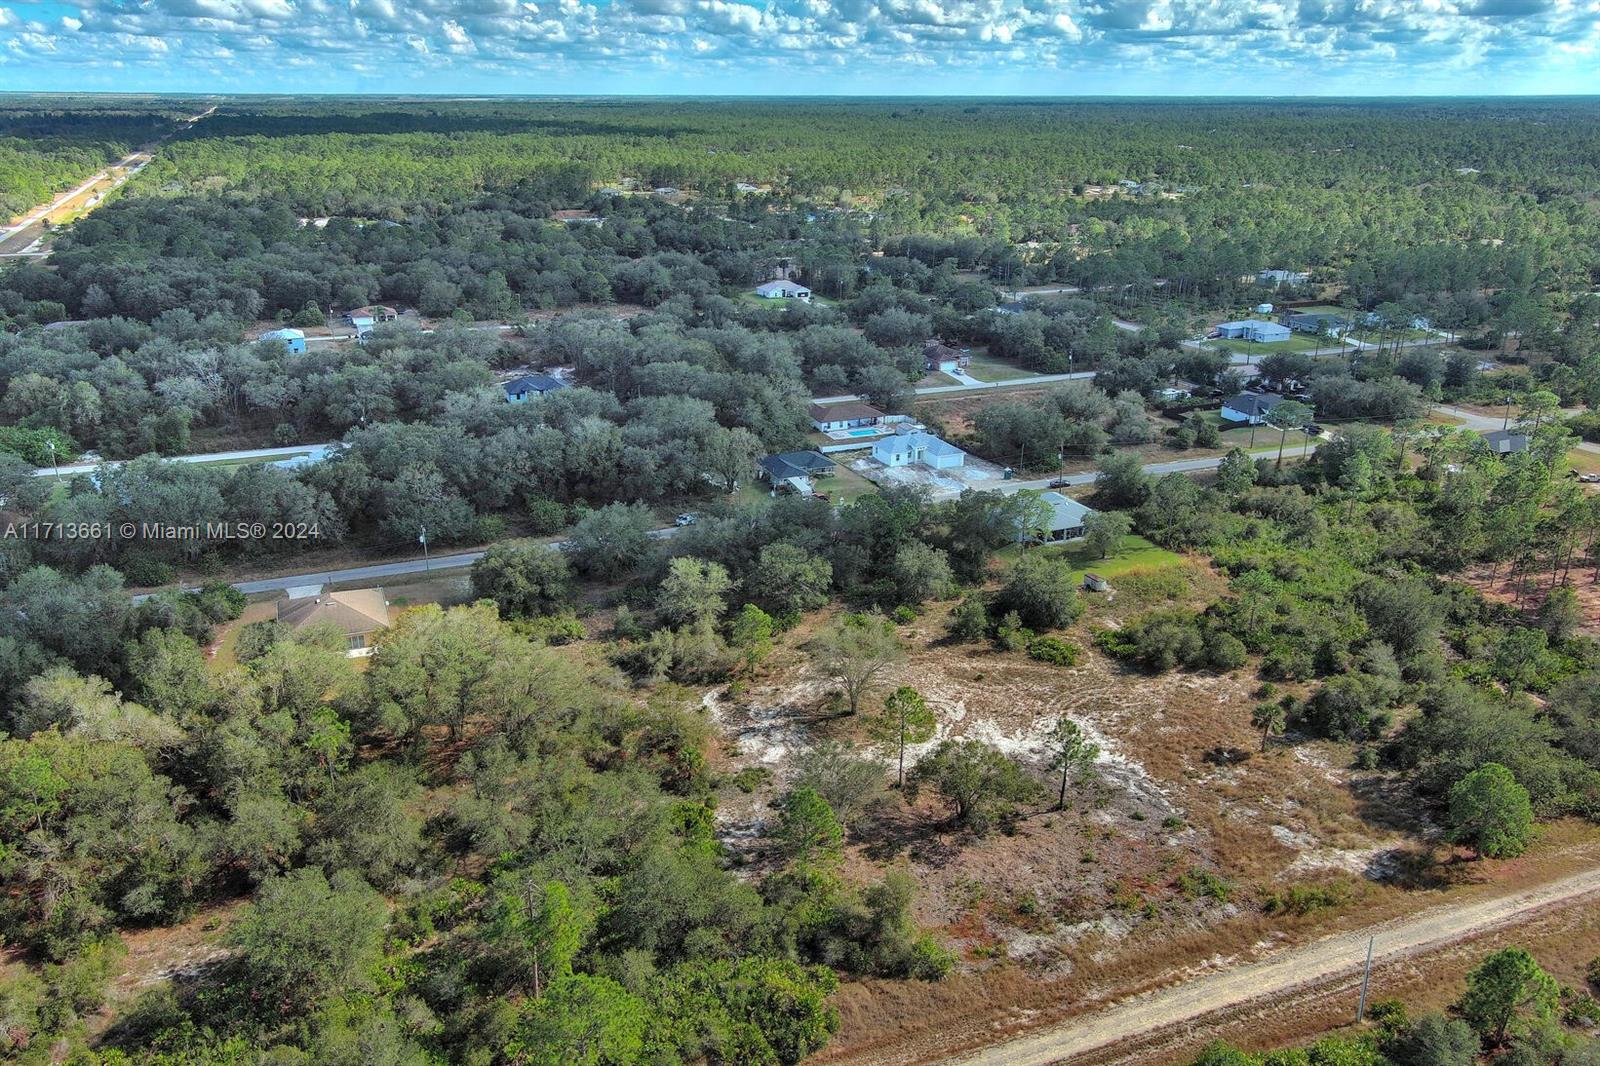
{"x":1095,"y":583}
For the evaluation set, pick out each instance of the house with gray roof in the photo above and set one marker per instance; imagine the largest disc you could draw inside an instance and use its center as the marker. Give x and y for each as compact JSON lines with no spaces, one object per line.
{"x":1251,"y":408}
{"x":1506,"y":441}
{"x":918,"y":448}
{"x":795,"y":470}
{"x":531,"y":387}
{"x":1065,"y":520}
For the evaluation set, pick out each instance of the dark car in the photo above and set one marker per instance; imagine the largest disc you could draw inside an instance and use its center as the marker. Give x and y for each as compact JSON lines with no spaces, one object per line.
{"x":1060,"y":482}
{"x":1314,"y":429}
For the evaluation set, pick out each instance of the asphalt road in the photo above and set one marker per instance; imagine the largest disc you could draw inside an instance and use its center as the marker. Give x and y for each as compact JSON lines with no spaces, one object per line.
{"x":402,"y":568}
{"x":1285,"y":973}
{"x":406,"y":567}
{"x":293,"y":455}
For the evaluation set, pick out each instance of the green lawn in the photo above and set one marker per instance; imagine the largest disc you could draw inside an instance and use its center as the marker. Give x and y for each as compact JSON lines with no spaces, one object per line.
{"x":1300,"y":342}
{"x":845,"y":485}
{"x":985,"y":369}
{"x":1135,"y":553}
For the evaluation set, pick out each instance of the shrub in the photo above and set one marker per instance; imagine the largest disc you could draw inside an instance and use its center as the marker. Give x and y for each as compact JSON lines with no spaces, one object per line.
{"x":1052,"y":650}
{"x":970,"y":619}
{"x":903,"y":615}
{"x":1194,"y":883}
{"x":1307,"y":899}
{"x":34,"y":444}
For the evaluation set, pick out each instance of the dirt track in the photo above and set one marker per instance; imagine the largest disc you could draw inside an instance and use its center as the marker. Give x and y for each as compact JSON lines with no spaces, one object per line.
{"x":1334,"y":958}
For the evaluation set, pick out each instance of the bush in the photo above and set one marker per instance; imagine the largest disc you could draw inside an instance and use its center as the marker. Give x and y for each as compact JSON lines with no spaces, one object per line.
{"x":34,"y":444}
{"x":1307,"y":899}
{"x":970,"y":619}
{"x":1042,"y":592}
{"x":1194,"y":883}
{"x":1053,"y":650}
{"x":903,"y":615}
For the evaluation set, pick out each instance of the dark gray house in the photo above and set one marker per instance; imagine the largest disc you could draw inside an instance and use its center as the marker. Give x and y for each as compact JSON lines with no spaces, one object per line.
{"x":1316,"y":321}
{"x":795,"y":469}
{"x":1250,"y":408}
{"x":531,"y":386}
{"x":1506,"y":441}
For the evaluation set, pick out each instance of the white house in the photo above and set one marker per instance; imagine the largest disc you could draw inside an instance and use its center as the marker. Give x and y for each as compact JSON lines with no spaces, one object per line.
{"x":1065,"y":521}
{"x":831,"y":417}
{"x":1282,"y":277}
{"x":1251,"y":408}
{"x":294,"y":340}
{"x":1254,"y":329}
{"x":782,"y":289}
{"x":917,"y":447}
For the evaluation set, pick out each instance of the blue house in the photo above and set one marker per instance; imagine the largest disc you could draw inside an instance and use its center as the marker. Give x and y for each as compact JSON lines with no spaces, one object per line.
{"x":531,"y":386}
{"x":294,"y":340}
{"x":1254,"y":329}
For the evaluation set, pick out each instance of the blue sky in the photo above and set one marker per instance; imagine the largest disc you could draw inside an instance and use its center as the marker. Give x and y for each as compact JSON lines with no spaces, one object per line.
{"x":917,"y":47}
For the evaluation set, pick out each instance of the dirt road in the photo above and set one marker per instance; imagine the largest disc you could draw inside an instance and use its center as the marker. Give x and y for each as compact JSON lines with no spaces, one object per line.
{"x":1301,"y":968}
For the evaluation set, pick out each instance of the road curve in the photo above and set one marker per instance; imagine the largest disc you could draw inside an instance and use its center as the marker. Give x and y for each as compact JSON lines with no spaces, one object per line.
{"x":1337,"y":956}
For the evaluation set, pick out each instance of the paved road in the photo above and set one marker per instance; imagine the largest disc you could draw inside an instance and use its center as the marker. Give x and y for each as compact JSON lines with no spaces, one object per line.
{"x":119,"y":173}
{"x":496,"y":328}
{"x":459,"y":559}
{"x":395,"y":569}
{"x":1240,"y":361}
{"x":293,"y":455}
{"x":1285,"y":973}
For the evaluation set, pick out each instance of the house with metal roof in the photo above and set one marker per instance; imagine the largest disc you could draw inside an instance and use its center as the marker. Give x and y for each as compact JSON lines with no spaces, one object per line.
{"x":1251,"y":408}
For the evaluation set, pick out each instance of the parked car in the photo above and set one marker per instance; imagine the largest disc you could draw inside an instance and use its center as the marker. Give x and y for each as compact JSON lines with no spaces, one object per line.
{"x":687,"y":518}
{"x":1313,"y":429}
{"x":1060,"y":482}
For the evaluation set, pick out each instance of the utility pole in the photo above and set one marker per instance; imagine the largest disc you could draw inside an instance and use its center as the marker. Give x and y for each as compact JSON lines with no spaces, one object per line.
{"x":1366,"y":977}
{"x":422,"y":535}
{"x":53,"y":464}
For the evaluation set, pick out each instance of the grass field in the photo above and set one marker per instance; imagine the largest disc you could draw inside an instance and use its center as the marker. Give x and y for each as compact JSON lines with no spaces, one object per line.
{"x":985,"y":369}
{"x":1134,"y":553}
{"x":1300,"y":342}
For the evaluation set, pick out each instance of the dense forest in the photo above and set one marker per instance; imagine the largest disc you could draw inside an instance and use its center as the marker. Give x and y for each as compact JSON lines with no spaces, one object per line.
{"x":49,"y":144}
{"x":498,"y":839}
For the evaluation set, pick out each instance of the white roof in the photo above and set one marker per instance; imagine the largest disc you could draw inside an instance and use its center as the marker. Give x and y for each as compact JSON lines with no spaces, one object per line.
{"x":913,"y":441}
{"x":1067,"y":512}
{"x":780,"y":286}
{"x":285,"y":334}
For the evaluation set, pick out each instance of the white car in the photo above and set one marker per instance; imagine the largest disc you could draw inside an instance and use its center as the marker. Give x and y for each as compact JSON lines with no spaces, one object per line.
{"x":687,"y":518}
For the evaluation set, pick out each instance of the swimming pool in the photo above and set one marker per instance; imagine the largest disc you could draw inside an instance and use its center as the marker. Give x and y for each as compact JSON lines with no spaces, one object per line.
{"x":862,"y":433}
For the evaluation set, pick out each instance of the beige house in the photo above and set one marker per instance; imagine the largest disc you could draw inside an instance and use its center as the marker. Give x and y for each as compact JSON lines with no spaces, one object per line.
{"x":358,"y":613}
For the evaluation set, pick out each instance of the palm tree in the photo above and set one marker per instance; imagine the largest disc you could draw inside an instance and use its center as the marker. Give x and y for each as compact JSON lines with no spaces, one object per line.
{"x":1270,"y":718}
